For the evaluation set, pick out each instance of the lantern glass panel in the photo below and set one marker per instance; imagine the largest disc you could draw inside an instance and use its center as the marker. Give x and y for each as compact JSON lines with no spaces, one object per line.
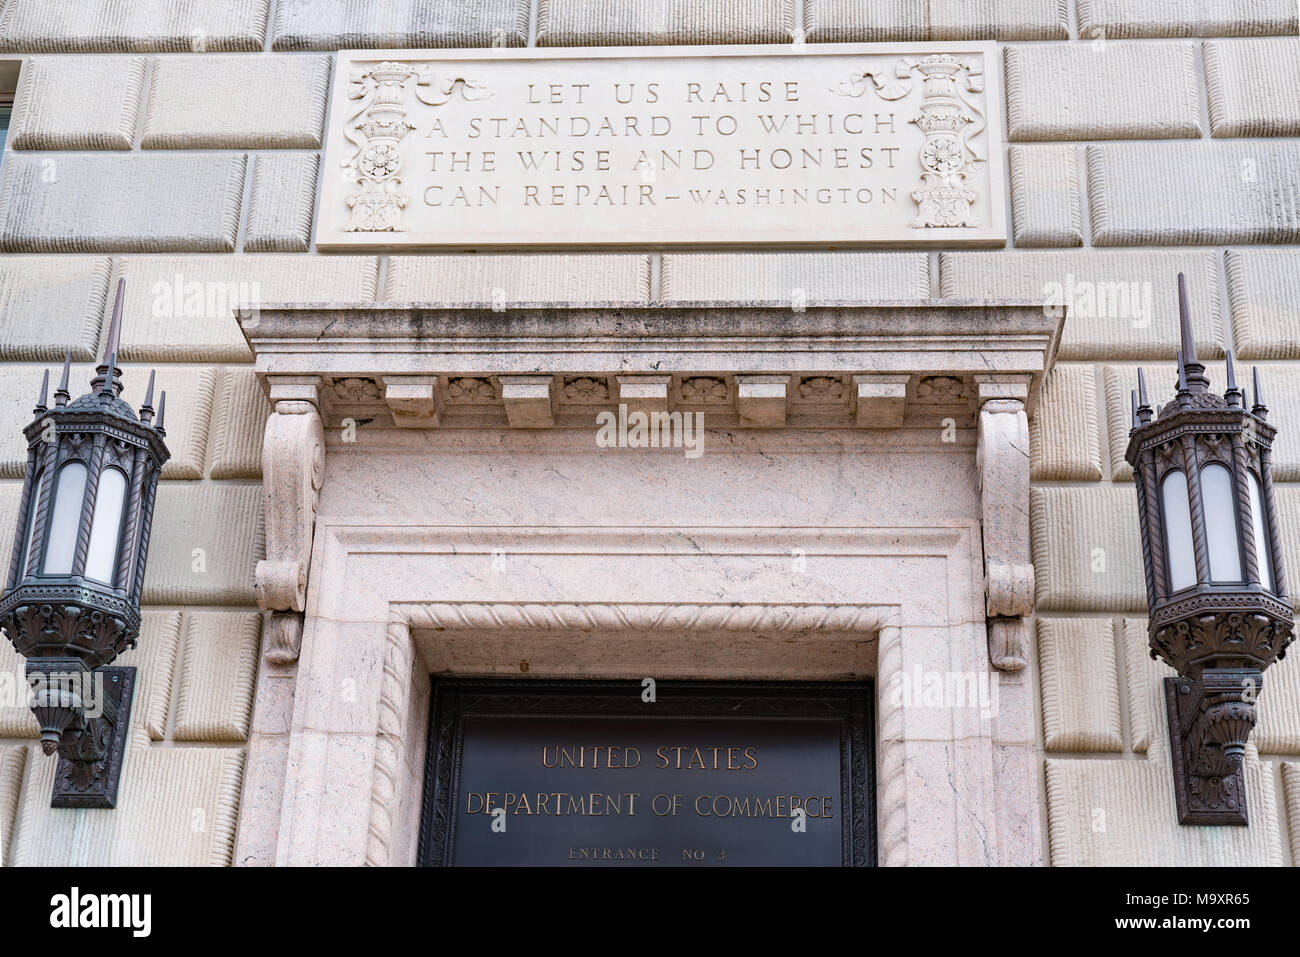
{"x":106,"y":527}
{"x":30,"y":526}
{"x":65,"y":517}
{"x":1178,"y":531}
{"x":1221,"y":524}
{"x":1263,"y":551}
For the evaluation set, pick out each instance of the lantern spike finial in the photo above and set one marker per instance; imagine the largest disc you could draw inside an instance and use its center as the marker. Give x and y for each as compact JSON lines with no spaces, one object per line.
{"x":1184,"y":396}
{"x":62,"y":395}
{"x":45,"y":391}
{"x":1190,"y":371}
{"x":1133,"y":402}
{"x":146,"y":408}
{"x":1233,"y":395}
{"x":1143,"y":410}
{"x":107,"y":374}
{"x":162,"y":412}
{"x":1259,"y":408}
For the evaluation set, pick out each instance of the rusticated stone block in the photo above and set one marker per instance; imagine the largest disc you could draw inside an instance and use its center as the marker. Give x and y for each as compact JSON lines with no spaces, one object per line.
{"x":189,"y":410}
{"x":1064,"y":440}
{"x":504,"y":279}
{"x":154,"y":659}
{"x":1265,"y":302}
{"x":1195,"y":193}
{"x":1122,"y":813}
{"x":1046,"y":205}
{"x":12,"y":760}
{"x":189,"y":407}
{"x":366,"y":24}
{"x":175,"y":807}
{"x":1087,"y":554}
{"x":1254,"y":87}
{"x":206,"y":543}
{"x":1086,"y":92}
{"x":51,"y":305}
{"x":183,"y":308}
{"x":237,"y":102}
{"x":1118,"y":305}
{"x":849,"y":21}
{"x":794,"y":278}
{"x":1291,"y":784}
{"x":42,"y":26}
{"x":1288,"y":513}
{"x":219,"y":665}
{"x":78,"y":103}
{"x":79,"y":202}
{"x":279,"y":214}
{"x":1076,"y":671}
{"x":580,"y":23}
{"x":240,"y":423}
{"x":1144,"y":677}
{"x":1122,"y":19}
{"x":16,"y":719}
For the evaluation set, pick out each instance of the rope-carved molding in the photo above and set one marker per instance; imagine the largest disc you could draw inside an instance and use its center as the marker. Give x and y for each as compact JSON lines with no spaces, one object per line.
{"x":632,"y":616}
{"x":399,"y":659}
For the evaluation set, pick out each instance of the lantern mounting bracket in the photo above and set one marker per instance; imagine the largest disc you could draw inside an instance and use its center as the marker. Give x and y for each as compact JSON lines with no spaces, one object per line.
{"x":91,"y":756}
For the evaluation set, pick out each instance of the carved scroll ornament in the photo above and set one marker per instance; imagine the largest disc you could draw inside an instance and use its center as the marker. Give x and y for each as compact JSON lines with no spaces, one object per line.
{"x":293,"y":463}
{"x":1002,"y":460}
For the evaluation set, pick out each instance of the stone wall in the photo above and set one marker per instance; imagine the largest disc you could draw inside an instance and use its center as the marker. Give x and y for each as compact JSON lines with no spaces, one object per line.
{"x":176,"y":142}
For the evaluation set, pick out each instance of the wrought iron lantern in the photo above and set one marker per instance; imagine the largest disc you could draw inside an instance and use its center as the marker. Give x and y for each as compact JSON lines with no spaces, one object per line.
{"x":1216,"y":588}
{"x":72,"y":601}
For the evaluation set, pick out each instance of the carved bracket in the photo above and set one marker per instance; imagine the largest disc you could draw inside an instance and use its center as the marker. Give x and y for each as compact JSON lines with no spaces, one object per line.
{"x":293,"y":465}
{"x":1002,"y":460}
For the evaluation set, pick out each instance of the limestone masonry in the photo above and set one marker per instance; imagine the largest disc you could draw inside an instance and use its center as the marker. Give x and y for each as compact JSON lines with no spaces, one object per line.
{"x":229,"y":157}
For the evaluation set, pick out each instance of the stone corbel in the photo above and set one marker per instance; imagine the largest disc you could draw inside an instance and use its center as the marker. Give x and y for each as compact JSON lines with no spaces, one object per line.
{"x":293,"y":464}
{"x":1002,"y":461}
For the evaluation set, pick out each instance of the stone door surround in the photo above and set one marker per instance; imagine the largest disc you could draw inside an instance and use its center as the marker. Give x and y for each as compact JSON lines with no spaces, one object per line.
{"x":367,"y":598}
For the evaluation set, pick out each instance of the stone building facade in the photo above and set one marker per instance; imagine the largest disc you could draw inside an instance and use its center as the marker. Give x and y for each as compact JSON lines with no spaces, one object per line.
{"x":179,"y":145}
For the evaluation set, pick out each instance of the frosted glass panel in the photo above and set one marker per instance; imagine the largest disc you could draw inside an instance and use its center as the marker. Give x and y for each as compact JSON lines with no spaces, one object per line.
{"x":62,"y":537}
{"x":101,"y":559}
{"x":1178,"y":532}
{"x":1265,"y":560}
{"x":1221,"y":524}
{"x":31,"y":526}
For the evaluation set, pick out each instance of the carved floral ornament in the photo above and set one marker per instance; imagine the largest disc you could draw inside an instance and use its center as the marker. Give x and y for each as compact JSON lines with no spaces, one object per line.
{"x":377,"y":127}
{"x":953,"y":125}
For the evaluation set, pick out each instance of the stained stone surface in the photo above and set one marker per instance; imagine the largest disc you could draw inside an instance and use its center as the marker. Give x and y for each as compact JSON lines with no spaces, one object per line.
{"x":78,"y":202}
{"x":348,"y":24}
{"x":848,"y":21}
{"x":1117,"y":304}
{"x":600,"y":23}
{"x":1194,"y":193}
{"x":140,"y":25}
{"x":1121,"y":19}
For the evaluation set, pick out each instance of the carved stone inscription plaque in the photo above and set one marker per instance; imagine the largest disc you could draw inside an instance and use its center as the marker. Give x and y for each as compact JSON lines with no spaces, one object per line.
{"x":822,"y":145}
{"x":590,"y":773}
